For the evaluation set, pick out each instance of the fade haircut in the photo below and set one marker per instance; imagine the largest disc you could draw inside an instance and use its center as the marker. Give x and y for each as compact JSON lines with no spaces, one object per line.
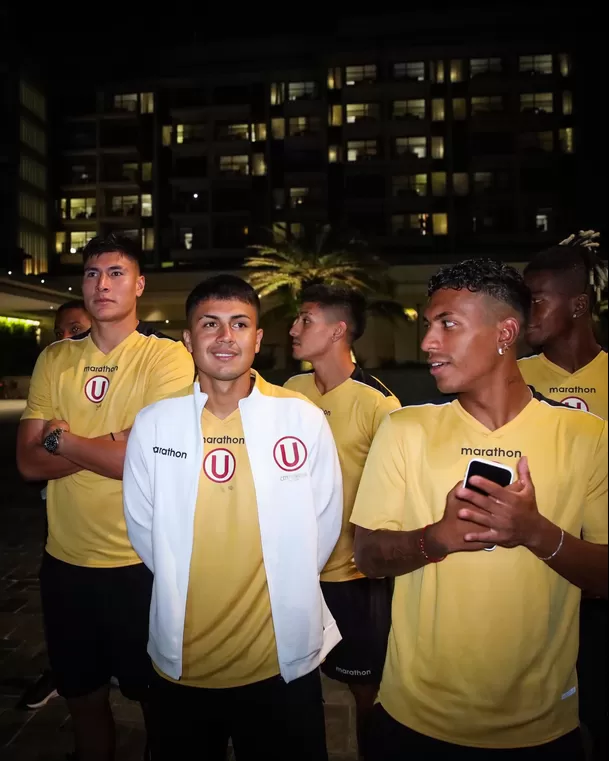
{"x":112,"y":244}
{"x":223,"y":288}
{"x":496,"y":279}
{"x":349,"y":302}
{"x":577,"y":260}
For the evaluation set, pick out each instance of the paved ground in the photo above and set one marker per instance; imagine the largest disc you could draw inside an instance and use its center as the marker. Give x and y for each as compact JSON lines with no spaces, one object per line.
{"x":45,"y":735}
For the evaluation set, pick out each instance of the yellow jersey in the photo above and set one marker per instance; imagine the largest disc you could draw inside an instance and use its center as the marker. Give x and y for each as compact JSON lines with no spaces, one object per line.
{"x":586,"y":389}
{"x":483,"y":645}
{"x":354,"y":410}
{"x":97,"y":394}
{"x":229,"y":639}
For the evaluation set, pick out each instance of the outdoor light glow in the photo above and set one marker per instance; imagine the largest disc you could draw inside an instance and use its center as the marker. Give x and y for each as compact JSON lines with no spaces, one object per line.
{"x":72,"y":250}
{"x":195,"y":195}
{"x":19,"y":321}
{"x":70,"y":288}
{"x":42,"y":281}
{"x":166,"y":322}
{"x":9,"y":272}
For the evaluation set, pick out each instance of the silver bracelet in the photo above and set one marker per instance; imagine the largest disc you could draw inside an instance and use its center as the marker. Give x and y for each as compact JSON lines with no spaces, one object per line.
{"x":558,"y":549}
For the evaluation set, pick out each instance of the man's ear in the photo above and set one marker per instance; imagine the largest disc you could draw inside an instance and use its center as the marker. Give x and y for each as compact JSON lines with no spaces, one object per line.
{"x":581,"y":305}
{"x":187,"y":340}
{"x":509,"y":330}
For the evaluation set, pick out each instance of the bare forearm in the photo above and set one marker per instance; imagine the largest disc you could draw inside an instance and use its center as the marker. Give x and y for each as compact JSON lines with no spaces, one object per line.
{"x":40,"y":465}
{"x":103,"y":455}
{"x":390,"y":553}
{"x":582,"y":563}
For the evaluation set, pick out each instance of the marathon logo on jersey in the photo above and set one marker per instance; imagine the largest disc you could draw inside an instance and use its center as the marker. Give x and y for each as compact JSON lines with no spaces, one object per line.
{"x":491,"y":452}
{"x":96,"y":388}
{"x":572,"y":390}
{"x":100,"y":369}
{"x":219,"y":465}
{"x":290,"y":453}
{"x":575,"y":403}
{"x":170,"y":453}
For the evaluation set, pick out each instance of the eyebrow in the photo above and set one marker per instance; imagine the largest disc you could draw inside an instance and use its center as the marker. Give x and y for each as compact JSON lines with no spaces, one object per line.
{"x":438,"y":317}
{"x":232,"y":317}
{"x":110,"y":269}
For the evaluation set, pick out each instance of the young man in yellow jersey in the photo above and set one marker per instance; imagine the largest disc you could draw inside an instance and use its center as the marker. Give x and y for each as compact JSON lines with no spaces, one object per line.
{"x":83,"y":399}
{"x":484,"y":636}
{"x":566,"y":283}
{"x":233,"y":499}
{"x":330,"y":320}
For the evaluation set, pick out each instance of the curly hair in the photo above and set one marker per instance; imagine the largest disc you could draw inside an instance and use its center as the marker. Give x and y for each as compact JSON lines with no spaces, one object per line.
{"x":495,"y":279}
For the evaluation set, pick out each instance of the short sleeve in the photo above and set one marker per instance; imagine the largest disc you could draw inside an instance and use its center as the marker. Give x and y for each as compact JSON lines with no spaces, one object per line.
{"x":173,"y":371}
{"x":595,"y":516}
{"x":382,"y":491}
{"x":386,"y":405}
{"x":39,"y":406}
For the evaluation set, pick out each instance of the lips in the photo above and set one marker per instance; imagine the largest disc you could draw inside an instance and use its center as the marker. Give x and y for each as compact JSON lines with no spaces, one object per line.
{"x":224,"y":356}
{"x":436,"y":366}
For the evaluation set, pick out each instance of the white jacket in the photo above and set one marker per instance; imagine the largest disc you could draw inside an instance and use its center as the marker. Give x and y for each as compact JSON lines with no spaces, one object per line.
{"x":300,"y":506}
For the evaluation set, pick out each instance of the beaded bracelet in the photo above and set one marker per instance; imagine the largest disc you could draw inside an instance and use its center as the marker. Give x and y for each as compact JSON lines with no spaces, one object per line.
{"x":422,"y":548}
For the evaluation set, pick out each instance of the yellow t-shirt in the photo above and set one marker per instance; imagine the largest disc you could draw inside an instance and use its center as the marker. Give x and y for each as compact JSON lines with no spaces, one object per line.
{"x":483,"y":645}
{"x":354,"y":410}
{"x":229,"y":639}
{"x":586,"y":389}
{"x":97,"y":394}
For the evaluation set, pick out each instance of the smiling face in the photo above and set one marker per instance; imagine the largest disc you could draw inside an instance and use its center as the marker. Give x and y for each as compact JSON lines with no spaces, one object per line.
{"x":111,"y":286}
{"x":71,"y":322}
{"x":223,"y":338}
{"x":465,"y":331}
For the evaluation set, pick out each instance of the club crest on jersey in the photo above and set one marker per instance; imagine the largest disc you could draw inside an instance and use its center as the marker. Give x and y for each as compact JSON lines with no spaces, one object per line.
{"x":96,"y":388}
{"x":576,"y":403}
{"x":290,"y":453}
{"x":219,"y":465}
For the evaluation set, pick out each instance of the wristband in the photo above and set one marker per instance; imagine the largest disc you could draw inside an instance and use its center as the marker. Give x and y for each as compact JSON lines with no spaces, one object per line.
{"x":112,"y":437}
{"x":558,"y":549}
{"x":422,"y":548}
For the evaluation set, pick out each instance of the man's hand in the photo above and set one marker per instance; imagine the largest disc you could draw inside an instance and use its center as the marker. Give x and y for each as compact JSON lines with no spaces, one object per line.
{"x":507,"y":516}
{"x":449,"y":534}
{"x":53,"y":425}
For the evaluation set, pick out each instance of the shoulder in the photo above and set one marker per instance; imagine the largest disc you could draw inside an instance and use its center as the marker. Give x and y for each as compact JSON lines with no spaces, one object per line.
{"x":158,"y":343}
{"x":300,"y":381}
{"x":65,"y":348}
{"x":172,"y":404}
{"x":423,"y":413}
{"x":572,"y":420}
{"x":289,"y":398}
{"x":369,"y":384}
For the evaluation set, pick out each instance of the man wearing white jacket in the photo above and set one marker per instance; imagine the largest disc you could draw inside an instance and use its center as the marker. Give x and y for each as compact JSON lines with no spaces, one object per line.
{"x":233,"y":499}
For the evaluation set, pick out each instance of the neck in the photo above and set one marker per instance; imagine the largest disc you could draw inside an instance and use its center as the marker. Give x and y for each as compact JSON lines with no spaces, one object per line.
{"x":223,"y":396}
{"x":108,"y":335}
{"x":499,"y":399}
{"x":332,"y":369}
{"x":575,"y":350}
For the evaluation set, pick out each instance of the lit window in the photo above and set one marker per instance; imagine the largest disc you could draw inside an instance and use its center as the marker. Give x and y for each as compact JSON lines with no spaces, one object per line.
{"x":361,"y":150}
{"x":258,"y":164}
{"x":412,"y":70}
{"x":78,"y":240}
{"x":437,"y":147}
{"x":60,"y":243}
{"x":335,"y":116}
{"x":125,"y":102}
{"x":278,"y":198}
{"x":298,"y":197}
{"x":409,"y":185}
{"x":258,"y":132}
{"x":296,"y":230}
{"x":167,"y":135}
{"x":542,"y":223}
{"x":409,"y":109}
{"x":459,"y":109}
{"x":302,"y":91}
{"x":460,"y":183}
{"x":147,"y":103}
{"x":186,"y":237}
{"x":234,"y":165}
{"x":358,"y":111}
{"x":82,"y":208}
{"x":437,"y":71}
{"x":537,"y":102}
{"x":487,"y":104}
{"x":334,"y":154}
{"x":535,"y":64}
{"x":355,"y":74}
{"x":300,"y":126}
{"x":409,"y":224}
{"x":277,"y":93}
{"x":411,"y":146}
{"x":278,"y":129}
{"x":480,"y":66}
{"x":191,"y":133}
{"x":129,"y":172}
{"x":147,"y":171}
{"x":456,"y":71}
{"x":148,"y":239}
{"x":63,"y":206}
{"x":438,"y":112}
{"x":567,"y":103}
{"x":125,"y":206}
{"x":440,"y":224}
{"x":566,"y":140}
{"x":438,"y":183}
{"x":147,"y":205}
{"x":236,"y":132}
{"x":335,"y":78}
{"x":565,"y":64}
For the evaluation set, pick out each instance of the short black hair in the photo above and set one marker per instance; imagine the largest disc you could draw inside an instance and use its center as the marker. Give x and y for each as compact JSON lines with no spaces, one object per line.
{"x":74,"y":304}
{"x":501,"y":281}
{"x":351,"y":302}
{"x":587,"y":273}
{"x":110,"y":244}
{"x":223,"y":288}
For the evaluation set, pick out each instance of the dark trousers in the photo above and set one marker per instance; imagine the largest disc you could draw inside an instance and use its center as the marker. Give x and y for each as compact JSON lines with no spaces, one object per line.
{"x":592,"y":673}
{"x":392,"y":741}
{"x":268,"y":720}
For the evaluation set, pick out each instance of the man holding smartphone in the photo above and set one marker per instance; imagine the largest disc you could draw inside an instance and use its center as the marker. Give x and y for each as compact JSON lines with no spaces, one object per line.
{"x":483,"y":645}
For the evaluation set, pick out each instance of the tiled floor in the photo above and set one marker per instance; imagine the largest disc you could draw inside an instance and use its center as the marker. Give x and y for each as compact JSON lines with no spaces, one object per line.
{"x":45,"y":735}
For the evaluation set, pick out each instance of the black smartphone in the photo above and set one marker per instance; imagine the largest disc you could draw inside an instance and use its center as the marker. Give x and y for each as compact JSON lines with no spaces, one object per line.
{"x":492,"y":471}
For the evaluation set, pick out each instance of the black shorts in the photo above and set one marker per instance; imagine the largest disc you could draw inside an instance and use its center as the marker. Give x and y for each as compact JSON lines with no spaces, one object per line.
{"x":96,"y":624}
{"x":362,"y":609}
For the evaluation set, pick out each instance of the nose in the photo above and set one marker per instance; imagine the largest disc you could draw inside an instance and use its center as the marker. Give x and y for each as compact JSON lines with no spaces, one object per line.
{"x":430,"y":341}
{"x":295,"y":329}
{"x":103,"y":282}
{"x":226,"y":334}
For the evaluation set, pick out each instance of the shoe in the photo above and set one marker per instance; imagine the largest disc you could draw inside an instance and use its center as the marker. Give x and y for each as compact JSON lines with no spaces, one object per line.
{"x":39,"y":694}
